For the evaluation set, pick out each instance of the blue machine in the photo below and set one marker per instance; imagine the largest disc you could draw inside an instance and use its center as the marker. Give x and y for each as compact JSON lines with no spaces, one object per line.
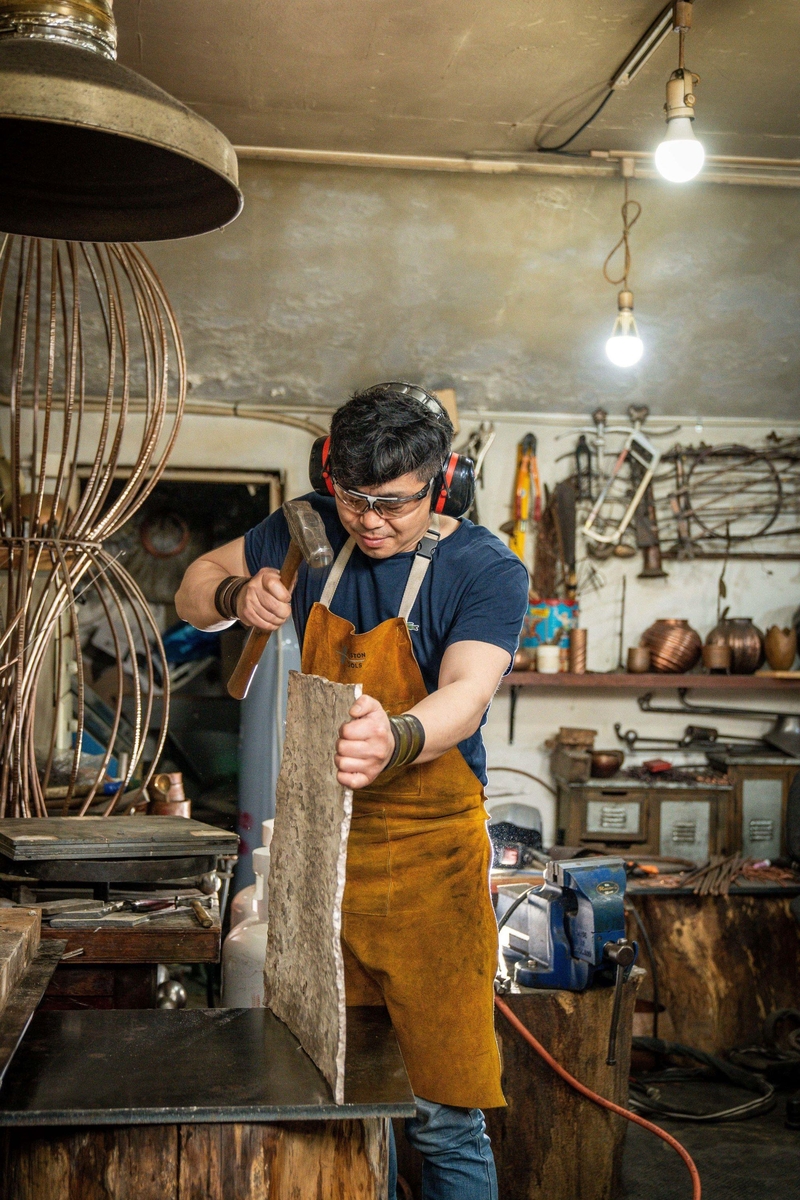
{"x":565,"y":932}
{"x":570,"y":932}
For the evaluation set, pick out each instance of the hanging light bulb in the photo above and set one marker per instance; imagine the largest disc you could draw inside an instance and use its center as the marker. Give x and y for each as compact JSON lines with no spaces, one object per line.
{"x":680,"y":156}
{"x":625,"y":347}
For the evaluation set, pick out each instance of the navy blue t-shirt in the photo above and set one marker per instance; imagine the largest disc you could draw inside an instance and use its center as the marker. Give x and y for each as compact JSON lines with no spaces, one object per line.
{"x":475,"y":589}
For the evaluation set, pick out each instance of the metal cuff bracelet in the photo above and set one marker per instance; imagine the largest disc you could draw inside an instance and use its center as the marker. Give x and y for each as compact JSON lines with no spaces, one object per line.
{"x":409,"y":739}
{"x":227,"y":594}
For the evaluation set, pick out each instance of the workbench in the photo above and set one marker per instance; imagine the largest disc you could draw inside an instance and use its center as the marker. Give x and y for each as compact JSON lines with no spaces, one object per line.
{"x":203,"y":1104}
{"x":116,"y":967}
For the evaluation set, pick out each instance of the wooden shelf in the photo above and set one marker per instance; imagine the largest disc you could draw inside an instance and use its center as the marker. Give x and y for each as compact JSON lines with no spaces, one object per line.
{"x":751,"y":683}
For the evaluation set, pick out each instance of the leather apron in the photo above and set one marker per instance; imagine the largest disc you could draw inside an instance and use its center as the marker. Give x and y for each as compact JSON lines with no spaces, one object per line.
{"x":419,"y":933}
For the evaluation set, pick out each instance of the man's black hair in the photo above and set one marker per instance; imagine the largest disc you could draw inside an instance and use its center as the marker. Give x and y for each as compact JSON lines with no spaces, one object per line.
{"x":381,"y":434}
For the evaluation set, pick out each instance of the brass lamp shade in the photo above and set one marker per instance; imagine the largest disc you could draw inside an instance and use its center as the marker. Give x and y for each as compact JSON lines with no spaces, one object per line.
{"x":92,"y":151}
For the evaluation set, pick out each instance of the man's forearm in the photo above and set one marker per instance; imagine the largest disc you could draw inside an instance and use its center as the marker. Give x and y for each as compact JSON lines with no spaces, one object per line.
{"x":449,"y":715}
{"x":194,"y":600}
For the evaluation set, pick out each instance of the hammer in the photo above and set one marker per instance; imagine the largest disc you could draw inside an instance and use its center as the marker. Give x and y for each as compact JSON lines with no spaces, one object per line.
{"x":309,"y":541}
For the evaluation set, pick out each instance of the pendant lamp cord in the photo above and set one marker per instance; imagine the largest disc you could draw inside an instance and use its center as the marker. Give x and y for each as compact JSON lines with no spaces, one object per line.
{"x":631,"y":211}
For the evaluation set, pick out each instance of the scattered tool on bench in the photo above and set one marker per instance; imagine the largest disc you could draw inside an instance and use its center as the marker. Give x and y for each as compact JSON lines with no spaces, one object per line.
{"x":309,"y":541}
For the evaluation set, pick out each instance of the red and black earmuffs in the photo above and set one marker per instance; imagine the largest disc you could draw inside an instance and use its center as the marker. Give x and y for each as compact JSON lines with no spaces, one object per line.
{"x":453,"y":488}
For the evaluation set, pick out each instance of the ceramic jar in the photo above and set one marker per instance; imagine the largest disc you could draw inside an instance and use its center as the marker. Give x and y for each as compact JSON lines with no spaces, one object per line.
{"x":674,"y":646}
{"x":781,"y":647}
{"x":746,"y":643}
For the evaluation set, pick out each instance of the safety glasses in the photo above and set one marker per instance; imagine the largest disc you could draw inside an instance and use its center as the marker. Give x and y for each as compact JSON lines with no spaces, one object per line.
{"x":384,"y":506}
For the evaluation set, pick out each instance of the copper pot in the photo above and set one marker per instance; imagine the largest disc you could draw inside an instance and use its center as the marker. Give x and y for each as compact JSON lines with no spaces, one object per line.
{"x":781,"y":647}
{"x":745,"y":640}
{"x":606,"y":763}
{"x":674,"y":646}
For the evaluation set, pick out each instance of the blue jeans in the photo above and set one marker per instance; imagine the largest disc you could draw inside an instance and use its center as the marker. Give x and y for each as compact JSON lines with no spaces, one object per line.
{"x":458,"y":1162}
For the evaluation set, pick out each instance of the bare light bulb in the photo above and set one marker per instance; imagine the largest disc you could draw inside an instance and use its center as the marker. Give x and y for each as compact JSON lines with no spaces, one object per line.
{"x":625,"y":347}
{"x":680,"y":156}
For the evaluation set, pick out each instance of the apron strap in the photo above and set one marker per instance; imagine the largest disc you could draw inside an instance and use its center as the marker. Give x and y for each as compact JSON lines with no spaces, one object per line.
{"x":332,"y":582}
{"x":419,"y":567}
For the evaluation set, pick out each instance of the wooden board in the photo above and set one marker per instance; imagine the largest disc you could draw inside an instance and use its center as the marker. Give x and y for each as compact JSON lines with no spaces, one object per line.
{"x":177,"y":938}
{"x":551,"y":1143}
{"x":20,"y":930}
{"x":199,"y":1162}
{"x":110,"y":837}
{"x":724,"y":964}
{"x":304,"y":970}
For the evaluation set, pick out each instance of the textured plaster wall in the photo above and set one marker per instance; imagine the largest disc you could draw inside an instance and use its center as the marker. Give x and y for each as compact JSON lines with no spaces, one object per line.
{"x":336,"y":277}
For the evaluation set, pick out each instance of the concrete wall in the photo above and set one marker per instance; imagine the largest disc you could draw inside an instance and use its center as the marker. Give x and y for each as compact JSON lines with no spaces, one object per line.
{"x":337,"y":277}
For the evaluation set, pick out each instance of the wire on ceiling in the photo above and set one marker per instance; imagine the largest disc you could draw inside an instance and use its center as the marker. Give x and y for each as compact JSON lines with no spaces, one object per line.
{"x":625,"y":74}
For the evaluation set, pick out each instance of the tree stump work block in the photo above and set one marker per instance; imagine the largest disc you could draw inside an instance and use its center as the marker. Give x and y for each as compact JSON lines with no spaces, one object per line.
{"x":551,"y":1143}
{"x":304,"y":970}
{"x":724,"y":964}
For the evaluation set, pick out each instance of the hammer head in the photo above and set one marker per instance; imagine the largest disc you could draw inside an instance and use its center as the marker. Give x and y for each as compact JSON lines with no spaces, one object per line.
{"x":308,"y":532}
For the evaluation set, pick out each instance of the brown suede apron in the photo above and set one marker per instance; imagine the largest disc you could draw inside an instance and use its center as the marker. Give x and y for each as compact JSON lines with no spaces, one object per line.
{"x":419,"y":932}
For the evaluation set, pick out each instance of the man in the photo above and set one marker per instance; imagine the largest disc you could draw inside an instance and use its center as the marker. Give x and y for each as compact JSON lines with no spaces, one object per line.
{"x":424,"y":610}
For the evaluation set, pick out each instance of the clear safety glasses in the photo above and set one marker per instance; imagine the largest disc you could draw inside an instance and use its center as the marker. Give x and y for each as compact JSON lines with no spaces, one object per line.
{"x":384,"y":506}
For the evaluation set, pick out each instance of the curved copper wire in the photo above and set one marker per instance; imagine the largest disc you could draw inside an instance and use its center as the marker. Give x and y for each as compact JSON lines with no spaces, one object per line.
{"x":78,"y":320}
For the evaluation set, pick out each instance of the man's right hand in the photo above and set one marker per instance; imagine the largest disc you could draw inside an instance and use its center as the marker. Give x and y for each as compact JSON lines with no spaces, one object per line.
{"x":264,"y":602}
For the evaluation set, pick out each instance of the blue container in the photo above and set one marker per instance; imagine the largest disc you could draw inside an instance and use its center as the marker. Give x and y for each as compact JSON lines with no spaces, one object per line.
{"x":544,"y":619}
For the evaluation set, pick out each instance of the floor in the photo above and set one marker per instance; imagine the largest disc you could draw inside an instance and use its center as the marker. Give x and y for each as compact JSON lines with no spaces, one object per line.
{"x":757,"y":1159}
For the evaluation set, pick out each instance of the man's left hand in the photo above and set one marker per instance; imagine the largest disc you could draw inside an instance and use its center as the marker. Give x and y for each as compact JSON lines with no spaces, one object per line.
{"x":365,"y":744}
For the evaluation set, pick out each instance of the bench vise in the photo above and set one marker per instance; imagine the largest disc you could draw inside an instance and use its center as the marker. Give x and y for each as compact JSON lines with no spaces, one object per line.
{"x":571,"y":930}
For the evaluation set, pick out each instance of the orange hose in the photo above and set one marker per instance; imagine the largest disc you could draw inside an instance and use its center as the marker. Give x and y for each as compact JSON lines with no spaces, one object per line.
{"x":601,"y":1100}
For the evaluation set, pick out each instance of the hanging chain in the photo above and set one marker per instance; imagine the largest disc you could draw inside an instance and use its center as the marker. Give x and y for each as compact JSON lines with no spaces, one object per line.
{"x":628,"y":222}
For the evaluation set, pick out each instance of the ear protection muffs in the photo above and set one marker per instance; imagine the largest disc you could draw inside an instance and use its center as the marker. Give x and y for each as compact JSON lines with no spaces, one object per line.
{"x":453,"y":490}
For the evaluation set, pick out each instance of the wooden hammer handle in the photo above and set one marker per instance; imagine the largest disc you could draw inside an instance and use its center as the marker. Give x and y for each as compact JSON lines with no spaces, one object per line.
{"x":257,"y":639}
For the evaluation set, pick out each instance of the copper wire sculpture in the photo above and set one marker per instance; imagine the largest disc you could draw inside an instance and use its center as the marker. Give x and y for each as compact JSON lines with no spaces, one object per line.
{"x":95,"y":375}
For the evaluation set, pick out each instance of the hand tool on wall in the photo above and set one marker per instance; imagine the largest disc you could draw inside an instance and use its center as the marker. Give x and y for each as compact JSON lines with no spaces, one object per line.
{"x":583,"y":469}
{"x":645,"y":523}
{"x":785,"y":734}
{"x":527,"y":494}
{"x":309,"y":541}
{"x":565,"y":499}
{"x":636,"y":449}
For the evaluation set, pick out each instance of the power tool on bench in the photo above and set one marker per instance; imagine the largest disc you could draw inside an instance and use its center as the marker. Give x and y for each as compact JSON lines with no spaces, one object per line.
{"x":569,"y":933}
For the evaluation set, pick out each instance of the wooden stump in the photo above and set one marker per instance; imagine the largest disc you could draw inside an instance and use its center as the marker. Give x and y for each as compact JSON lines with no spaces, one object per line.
{"x":551,"y":1143}
{"x":724,"y":963}
{"x":294,"y":1160}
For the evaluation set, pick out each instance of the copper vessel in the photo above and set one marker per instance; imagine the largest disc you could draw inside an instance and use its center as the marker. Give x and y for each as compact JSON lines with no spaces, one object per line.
{"x":781,"y":647}
{"x":606,"y":763}
{"x":577,"y":651}
{"x":167,"y":797}
{"x":745,"y":640}
{"x":674,"y":646}
{"x":638,"y":660}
